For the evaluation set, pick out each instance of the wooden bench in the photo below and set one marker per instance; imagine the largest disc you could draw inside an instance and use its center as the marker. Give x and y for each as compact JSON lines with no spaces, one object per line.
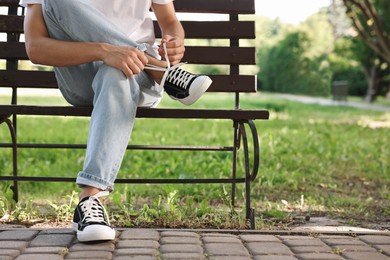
{"x":233,"y":29}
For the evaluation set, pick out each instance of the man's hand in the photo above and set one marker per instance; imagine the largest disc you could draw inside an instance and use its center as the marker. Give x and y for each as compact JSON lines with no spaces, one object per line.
{"x":175,"y":49}
{"x":129,"y":60}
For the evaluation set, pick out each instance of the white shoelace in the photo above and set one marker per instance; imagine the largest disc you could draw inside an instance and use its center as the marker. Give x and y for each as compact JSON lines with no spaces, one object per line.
{"x":92,"y":209}
{"x":168,"y":68}
{"x":180,"y":78}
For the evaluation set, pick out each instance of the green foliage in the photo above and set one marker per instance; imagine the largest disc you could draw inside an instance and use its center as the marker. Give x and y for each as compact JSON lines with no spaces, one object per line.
{"x":346,"y":67}
{"x":291,"y":70}
{"x":296,"y":62}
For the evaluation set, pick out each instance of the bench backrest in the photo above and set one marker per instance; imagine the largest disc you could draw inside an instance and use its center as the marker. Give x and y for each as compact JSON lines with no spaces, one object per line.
{"x":230,"y":53}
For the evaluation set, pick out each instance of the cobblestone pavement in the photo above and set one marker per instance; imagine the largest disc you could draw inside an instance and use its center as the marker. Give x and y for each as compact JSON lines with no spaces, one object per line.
{"x":40,"y":244}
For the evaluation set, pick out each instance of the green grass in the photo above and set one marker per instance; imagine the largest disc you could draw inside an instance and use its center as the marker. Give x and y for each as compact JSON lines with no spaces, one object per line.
{"x":328,"y":161}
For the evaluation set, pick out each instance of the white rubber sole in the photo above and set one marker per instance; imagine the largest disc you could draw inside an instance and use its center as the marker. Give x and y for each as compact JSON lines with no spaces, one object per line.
{"x":198,"y":87}
{"x":94,"y":233}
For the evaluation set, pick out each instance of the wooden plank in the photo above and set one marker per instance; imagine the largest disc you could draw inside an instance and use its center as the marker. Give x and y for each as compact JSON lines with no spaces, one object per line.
{"x":216,"y":29}
{"x":13,"y":50}
{"x":220,"y":55}
{"x":47,"y":80}
{"x":28,"y":79}
{"x":193,"y":54}
{"x":216,"y":6}
{"x":194,"y":29}
{"x":11,"y":23}
{"x":141,"y":112}
{"x":13,"y":3}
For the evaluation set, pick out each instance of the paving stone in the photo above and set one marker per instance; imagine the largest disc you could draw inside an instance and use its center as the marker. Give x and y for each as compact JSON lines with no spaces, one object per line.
{"x":230,"y":258}
{"x":180,"y":240}
{"x":135,"y":251}
{"x":57,"y":231}
{"x":142,"y":234}
{"x":137,"y":243}
{"x":93,"y":246}
{"x":183,"y":256}
{"x":319,"y":256}
{"x":24,"y":235}
{"x":181,"y":248}
{"x":136,"y":257}
{"x":274,"y":257}
{"x":179,"y":234}
{"x":311,"y":249}
{"x":384,"y":249}
{"x":19,"y":245}
{"x":376,"y":240}
{"x":46,"y":250}
{"x":89,"y":255}
{"x":52,"y":240}
{"x":265,"y":248}
{"x":259,"y":238}
{"x":364,"y":256}
{"x":282,"y":237}
{"x":344,"y":241}
{"x":217,"y":235}
{"x":304,"y":242}
{"x":4,"y":257}
{"x":321,"y":236}
{"x":39,"y":257}
{"x":9,"y":252}
{"x":215,"y":239}
{"x":220,"y":249}
{"x":353,"y":248}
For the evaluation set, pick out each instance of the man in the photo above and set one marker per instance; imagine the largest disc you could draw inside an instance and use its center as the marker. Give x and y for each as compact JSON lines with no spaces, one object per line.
{"x":104,"y":54}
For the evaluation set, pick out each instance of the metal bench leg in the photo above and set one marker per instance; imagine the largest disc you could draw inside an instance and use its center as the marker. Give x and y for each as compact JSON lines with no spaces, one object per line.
{"x":12,"y":131}
{"x":236,"y":147}
{"x":250,"y":175}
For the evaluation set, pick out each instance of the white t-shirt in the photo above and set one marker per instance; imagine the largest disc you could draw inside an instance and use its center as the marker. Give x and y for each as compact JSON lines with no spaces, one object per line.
{"x":131,"y":16}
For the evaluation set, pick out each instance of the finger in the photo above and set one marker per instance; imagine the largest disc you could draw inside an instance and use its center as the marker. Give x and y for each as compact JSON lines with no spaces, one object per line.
{"x":127,"y":71}
{"x":143,"y":58}
{"x":136,"y":67}
{"x":175,"y":53}
{"x":166,"y":38}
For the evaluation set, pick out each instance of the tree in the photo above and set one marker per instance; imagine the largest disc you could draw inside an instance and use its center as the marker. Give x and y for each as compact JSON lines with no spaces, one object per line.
{"x":296,"y":61}
{"x":371,"y":19}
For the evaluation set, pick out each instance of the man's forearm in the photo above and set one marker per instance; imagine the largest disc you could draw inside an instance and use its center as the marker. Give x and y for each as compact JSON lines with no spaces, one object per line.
{"x":57,"y":53}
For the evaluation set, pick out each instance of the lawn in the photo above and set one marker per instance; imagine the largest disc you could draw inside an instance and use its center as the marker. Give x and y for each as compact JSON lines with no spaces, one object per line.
{"x":315,"y":160}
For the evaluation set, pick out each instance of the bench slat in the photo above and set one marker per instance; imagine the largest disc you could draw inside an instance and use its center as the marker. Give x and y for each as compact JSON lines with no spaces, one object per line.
{"x":193,"y":54}
{"x":46,"y":79}
{"x":216,"y":6}
{"x":203,"y":6}
{"x":141,"y":112}
{"x":194,"y":29}
{"x":11,"y":23}
{"x":13,"y":3}
{"x":216,"y":29}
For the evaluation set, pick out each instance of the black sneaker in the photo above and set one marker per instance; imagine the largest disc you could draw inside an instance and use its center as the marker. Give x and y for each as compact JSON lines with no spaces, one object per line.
{"x":90,"y":220}
{"x":181,"y":85}
{"x":184,"y":86}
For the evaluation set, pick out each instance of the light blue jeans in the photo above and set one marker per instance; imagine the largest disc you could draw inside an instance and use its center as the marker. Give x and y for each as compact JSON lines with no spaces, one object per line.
{"x":114,"y":97}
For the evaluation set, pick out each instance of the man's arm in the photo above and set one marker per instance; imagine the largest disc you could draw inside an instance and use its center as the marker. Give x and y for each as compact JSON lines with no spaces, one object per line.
{"x":172,"y":32}
{"x":42,"y":49}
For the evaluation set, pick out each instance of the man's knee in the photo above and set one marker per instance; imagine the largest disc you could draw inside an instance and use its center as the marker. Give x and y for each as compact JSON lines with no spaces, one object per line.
{"x":113,"y":82}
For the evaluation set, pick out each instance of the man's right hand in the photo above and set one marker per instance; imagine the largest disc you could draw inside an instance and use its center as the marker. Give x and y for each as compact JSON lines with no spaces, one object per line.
{"x":129,"y":60}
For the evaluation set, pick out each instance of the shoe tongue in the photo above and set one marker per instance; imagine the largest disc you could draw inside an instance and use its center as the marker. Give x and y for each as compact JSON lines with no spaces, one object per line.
{"x":84,"y":199}
{"x":96,"y":196}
